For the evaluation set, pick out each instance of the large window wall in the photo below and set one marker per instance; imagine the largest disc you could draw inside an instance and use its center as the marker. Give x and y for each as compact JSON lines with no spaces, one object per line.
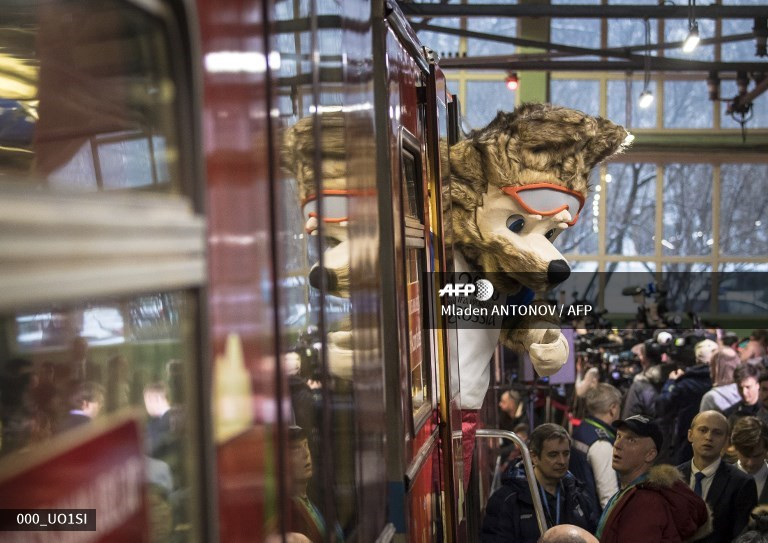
{"x":693,"y":195}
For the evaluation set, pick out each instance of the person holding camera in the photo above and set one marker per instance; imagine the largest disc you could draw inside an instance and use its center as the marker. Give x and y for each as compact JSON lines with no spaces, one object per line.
{"x":646,"y":385}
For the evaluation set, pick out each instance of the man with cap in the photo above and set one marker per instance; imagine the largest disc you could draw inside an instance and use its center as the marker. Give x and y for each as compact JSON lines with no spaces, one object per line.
{"x":653,"y":503}
{"x":729,"y":492}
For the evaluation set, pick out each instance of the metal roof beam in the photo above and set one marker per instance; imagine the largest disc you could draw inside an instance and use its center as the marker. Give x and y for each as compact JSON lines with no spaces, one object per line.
{"x":581,"y":11}
{"x":617,"y":52}
{"x":657,"y":64}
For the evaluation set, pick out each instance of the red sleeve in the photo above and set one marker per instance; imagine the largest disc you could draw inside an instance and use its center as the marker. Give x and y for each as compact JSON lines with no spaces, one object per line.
{"x":645,"y":519}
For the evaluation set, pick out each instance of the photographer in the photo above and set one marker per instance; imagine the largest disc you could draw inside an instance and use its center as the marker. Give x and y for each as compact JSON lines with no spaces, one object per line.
{"x":646,"y":385}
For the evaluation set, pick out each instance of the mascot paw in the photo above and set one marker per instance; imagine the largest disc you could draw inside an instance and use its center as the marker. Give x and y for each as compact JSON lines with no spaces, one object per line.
{"x":550,"y":353}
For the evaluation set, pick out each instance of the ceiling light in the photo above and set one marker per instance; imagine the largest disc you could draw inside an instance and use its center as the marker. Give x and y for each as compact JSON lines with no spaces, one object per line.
{"x":692,"y":40}
{"x":646,"y":99}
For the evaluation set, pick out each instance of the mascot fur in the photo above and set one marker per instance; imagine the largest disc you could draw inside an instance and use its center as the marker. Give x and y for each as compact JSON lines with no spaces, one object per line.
{"x":515,"y":185}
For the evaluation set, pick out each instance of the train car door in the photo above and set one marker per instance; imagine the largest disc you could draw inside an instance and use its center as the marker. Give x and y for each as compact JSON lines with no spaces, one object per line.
{"x":102,"y":274}
{"x":442,"y":120}
{"x":411,"y":251}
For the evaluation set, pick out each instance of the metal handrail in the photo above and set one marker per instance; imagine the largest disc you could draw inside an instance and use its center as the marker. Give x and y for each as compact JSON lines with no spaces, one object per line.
{"x":529,"y":474}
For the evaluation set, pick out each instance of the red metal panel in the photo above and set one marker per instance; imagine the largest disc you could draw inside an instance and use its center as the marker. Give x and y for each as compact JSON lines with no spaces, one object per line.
{"x":241,"y":291}
{"x":103,"y":470}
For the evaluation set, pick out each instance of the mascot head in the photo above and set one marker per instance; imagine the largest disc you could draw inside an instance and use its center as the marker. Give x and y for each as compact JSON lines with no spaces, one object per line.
{"x":518,"y":183}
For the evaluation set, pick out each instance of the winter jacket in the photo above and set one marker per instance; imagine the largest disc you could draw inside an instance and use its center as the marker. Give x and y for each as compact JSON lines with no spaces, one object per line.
{"x":661,"y":509}
{"x":642,"y":393}
{"x":509,"y":515}
{"x":720,"y":398}
{"x":680,"y":400}
{"x":739,"y":410}
{"x":595,"y":439}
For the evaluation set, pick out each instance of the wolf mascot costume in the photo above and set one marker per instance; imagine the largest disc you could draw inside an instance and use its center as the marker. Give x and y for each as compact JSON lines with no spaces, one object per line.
{"x":515,"y":185}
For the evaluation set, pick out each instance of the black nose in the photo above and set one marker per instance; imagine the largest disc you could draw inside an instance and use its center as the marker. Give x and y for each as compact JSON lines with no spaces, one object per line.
{"x":316,"y":278}
{"x":557,"y":272}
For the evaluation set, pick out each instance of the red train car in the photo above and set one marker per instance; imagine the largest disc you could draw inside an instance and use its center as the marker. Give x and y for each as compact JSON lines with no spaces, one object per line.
{"x":221,"y":224}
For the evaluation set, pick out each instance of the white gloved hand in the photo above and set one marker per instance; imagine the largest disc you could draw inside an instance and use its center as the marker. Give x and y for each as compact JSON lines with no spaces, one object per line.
{"x":548,"y":350}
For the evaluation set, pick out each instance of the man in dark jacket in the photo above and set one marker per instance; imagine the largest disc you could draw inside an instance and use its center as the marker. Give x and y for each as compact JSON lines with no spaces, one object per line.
{"x":653,"y":503}
{"x":730,"y":493}
{"x":510,"y":516}
{"x":679,"y":400}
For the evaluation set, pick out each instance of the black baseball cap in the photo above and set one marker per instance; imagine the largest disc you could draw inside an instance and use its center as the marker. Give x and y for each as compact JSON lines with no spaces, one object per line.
{"x":642,"y":426}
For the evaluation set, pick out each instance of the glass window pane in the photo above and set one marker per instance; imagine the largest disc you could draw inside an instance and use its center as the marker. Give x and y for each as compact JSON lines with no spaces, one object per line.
{"x":501,"y":26}
{"x":581,"y":238}
{"x":619,"y":95}
{"x":738,"y":51}
{"x":743,"y":289}
{"x":623,"y":275}
{"x":625,"y":32}
{"x":744,"y":209}
{"x":687,"y":210}
{"x":485,"y":99}
{"x":687,"y":105}
{"x":96,"y":105}
{"x":443,"y":44}
{"x":757,"y":117}
{"x":578,"y":32}
{"x":688,"y":287}
{"x":630,"y":209}
{"x":65,"y":369}
{"x":580,"y":94}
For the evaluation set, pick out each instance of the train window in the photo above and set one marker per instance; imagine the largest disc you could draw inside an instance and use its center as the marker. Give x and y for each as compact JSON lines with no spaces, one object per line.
{"x":88,"y":99}
{"x":419,"y":366}
{"x":415,"y":255}
{"x":70,"y":374}
{"x":412,"y":194}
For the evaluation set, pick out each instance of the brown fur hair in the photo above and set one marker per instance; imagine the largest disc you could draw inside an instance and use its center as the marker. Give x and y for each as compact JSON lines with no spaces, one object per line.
{"x":563,"y":144}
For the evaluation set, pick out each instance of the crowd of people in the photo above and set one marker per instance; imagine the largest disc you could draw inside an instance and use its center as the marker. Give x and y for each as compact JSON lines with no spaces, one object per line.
{"x":679,"y":454}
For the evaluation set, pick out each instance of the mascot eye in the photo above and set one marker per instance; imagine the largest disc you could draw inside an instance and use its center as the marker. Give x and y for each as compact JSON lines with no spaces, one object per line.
{"x":515,"y":223}
{"x":551,"y":233}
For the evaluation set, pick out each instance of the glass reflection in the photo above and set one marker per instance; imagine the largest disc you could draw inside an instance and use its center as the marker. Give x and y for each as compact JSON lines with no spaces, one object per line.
{"x":65,"y":369}
{"x":87,"y":98}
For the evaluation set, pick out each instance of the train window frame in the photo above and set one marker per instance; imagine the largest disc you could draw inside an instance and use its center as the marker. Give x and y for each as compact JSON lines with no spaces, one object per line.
{"x":414,"y":237}
{"x":69,"y":247}
{"x":171,"y":23}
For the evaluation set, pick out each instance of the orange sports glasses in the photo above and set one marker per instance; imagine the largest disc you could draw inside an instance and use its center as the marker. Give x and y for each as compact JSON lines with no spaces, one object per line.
{"x":547,"y":199}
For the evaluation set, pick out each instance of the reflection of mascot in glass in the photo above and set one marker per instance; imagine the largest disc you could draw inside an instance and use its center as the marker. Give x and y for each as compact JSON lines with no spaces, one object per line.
{"x":298,"y":152}
{"x":516,"y":184}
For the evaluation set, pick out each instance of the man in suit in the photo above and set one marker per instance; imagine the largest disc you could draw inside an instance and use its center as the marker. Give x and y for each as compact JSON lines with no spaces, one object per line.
{"x":729,"y":492}
{"x":750,"y":439}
